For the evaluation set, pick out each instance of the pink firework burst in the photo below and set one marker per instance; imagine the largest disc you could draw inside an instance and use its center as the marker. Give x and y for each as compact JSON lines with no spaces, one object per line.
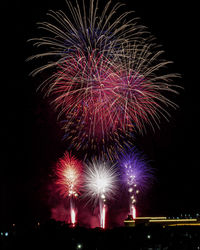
{"x":85,"y":91}
{"x":102,"y":96}
{"x":69,"y":176}
{"x":108,"y":76}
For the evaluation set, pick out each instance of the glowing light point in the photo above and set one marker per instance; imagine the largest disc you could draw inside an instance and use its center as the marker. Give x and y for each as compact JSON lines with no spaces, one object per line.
{"x":79,"y":246}
{"x":130,"y":190}
{"x":103,"y":196}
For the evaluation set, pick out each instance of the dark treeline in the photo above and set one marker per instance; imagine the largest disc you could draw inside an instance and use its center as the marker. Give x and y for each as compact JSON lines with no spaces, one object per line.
{"x":58,"y":235}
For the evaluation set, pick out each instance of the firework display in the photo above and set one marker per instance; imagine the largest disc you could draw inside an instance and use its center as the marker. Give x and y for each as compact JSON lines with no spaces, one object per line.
{"x":100,"y":184}
{"x":136,"y":174}
{"x":69,"y":180}
{"x":106,"y":79}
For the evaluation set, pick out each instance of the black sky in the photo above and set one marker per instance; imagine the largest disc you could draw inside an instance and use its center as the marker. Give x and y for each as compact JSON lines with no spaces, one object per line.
{"x":30,"y":135}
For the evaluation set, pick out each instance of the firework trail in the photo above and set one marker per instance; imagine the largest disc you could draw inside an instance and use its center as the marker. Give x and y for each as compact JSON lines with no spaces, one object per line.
{"x":100,"y":185}
{"x":105,"y":79}
{"x":137,"y":176}
{"x":69,"y":181}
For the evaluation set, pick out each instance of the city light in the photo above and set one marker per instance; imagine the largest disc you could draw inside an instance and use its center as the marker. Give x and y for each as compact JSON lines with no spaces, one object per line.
{"x":79,"y":246}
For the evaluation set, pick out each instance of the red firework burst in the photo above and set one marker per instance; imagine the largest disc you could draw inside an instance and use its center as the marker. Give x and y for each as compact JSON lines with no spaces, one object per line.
{"x":85,"y":92}
{"x":102,"y":96}
{"x":109,"y":77}
{"x":69,"y":172}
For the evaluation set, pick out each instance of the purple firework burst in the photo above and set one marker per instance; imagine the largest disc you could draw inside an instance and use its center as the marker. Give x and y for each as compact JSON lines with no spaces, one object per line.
{"x":135,"y":169}
{"x":137,"y":175}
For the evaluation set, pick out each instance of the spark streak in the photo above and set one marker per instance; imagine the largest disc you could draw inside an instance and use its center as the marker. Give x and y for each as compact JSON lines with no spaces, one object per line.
{"x":133,"y":211}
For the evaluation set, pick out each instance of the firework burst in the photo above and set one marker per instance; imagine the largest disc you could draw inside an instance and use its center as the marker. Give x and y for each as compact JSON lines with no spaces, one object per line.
{"x":100,"y":185}
{"x":105,"y":77}
{"x":137,"y":175}
{"x":69,"y":180}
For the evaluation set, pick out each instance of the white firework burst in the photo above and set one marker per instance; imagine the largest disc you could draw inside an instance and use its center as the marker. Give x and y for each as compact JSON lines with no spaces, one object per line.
{"x":100,"y":181}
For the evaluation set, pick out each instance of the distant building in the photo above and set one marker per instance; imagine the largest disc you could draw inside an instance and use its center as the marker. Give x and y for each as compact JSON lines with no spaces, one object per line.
{"x":164,"y":221}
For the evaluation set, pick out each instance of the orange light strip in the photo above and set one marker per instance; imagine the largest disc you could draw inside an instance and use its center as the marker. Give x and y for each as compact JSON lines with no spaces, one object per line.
{"x":174,"y":220}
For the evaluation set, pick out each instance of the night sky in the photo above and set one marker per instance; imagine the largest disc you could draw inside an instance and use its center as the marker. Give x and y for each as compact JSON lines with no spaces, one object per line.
{"x":31,"y":138}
